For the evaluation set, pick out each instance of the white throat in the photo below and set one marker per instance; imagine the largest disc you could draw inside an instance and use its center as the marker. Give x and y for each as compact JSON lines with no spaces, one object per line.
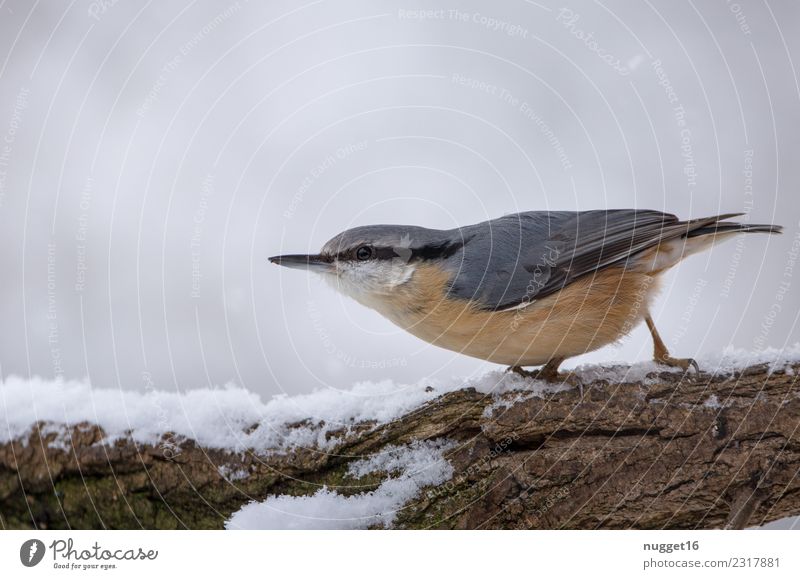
{"x":370,"y":283}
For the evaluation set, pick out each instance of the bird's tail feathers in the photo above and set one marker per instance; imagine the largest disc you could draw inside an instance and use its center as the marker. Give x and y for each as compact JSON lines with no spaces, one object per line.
{"x":716,"y":225}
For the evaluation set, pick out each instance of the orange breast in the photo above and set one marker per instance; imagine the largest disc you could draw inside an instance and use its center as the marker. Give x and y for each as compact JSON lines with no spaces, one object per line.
{"x":589,"y":313}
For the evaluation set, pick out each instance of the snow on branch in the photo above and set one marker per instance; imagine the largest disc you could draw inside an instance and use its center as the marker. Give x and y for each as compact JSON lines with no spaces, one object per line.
{"x":636,"y":447}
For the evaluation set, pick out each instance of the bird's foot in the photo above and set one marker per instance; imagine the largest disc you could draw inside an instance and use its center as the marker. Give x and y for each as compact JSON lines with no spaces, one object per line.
{"x":683,"y":363}
{"x":542,"y":373}
{"x":548,"y":375}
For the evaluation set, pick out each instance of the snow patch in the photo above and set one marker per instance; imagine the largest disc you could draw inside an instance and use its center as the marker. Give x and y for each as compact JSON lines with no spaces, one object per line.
{"x":644,"y":372}
{"x":410,"y":467}
{"x":232,"y":474}
{"x":230,"y":417}
{"x":62,"y":439}
{"x":729,"y":361}
{"x":712,"y":402}
{"x":733,"y":359}
{"x":236,"y":419}
{"x":216,"y":418}
{"x":506,"y":398}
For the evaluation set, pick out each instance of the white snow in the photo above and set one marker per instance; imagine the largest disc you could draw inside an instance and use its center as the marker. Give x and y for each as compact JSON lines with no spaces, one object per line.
{"x":732,"y":359}
{"x":214,"y":417}
{"x":620,"y":372}
{"x":411,"y":468}
{"x":234,"y":418}
{"x":232,"y":474}
{"x":229,"y":417}
{"x":712,"y":402}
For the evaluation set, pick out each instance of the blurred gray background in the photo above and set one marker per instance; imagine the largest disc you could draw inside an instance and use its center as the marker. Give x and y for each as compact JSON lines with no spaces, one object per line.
{"x":153,"y":155}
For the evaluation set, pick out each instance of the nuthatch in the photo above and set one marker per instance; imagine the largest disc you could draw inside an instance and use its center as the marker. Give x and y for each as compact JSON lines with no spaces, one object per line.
{"x":526,"y":289}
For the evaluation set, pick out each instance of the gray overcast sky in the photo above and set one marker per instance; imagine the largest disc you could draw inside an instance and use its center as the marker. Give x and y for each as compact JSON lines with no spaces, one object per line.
{"x":152,"y":156}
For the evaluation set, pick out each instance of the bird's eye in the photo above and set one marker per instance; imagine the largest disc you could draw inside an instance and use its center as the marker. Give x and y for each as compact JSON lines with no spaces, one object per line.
{"x":363,"y":253}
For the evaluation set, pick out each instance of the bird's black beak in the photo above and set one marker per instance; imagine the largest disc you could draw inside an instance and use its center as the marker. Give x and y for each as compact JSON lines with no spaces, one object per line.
{"x":315,"y":263}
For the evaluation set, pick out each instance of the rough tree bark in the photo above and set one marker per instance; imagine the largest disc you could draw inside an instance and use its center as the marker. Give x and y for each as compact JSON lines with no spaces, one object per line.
{"x":703,"y":451}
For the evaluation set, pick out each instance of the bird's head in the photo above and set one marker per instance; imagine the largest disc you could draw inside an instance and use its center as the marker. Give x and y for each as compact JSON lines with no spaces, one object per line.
{"x":371,"y":262}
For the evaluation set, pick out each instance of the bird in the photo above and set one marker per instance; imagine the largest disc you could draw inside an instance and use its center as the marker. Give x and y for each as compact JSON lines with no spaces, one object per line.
{"x":526,"y":289}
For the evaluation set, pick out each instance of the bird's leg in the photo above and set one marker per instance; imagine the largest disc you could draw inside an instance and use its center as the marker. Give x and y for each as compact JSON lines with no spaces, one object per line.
{"x":660,"y":352}
{"x":548,"y":372}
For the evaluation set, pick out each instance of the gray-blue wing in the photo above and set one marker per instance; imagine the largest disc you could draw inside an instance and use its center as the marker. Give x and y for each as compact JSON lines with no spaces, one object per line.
{"x":511,"y":261}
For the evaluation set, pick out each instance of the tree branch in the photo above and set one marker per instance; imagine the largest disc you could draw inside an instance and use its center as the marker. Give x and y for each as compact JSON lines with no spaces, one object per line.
{"x":701,"y":451}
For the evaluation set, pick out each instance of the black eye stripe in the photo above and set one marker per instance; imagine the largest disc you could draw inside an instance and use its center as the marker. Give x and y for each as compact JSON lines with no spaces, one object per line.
{"x":375,"y":253}
{"x":423,"y":253}
{"x":385,"y":253}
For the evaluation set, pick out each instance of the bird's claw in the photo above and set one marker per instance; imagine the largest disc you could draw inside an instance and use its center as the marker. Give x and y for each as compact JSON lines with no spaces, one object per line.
{"x":683,"y":363}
